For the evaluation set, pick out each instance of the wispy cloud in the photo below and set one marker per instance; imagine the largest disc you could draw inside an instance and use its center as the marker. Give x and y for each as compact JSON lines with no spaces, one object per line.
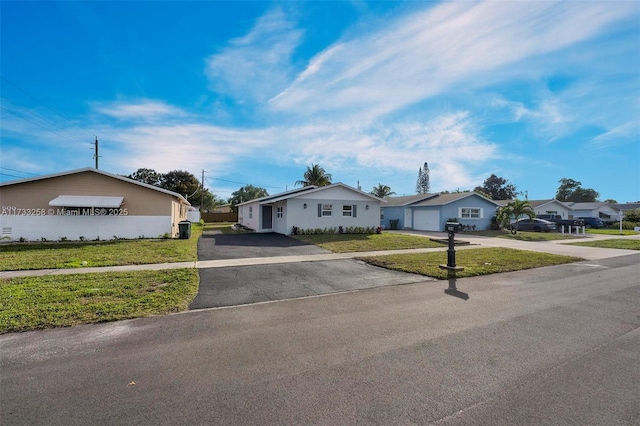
{"x":142,"y":109}
{"x":620,"y":135}
{"x":424,"y":54}
{"x":258,"y":65}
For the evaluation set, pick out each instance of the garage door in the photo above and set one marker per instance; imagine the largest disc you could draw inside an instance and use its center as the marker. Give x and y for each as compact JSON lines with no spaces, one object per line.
{"x":426,"y":220}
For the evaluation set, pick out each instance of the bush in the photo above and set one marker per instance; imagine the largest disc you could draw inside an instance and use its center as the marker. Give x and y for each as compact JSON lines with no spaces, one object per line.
{"x":625,"y":225}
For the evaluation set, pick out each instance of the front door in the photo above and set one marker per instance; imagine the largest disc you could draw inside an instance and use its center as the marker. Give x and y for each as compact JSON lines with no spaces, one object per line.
{"x":267,"y":217}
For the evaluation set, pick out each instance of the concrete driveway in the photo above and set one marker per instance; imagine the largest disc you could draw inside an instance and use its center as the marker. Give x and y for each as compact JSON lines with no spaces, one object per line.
{"x":238,"y":285}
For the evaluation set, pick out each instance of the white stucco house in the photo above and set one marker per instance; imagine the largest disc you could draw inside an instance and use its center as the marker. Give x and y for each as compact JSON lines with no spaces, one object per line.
{"x":549,"y":206}
{"x":605,"y":211}
{"x":311,"y":207}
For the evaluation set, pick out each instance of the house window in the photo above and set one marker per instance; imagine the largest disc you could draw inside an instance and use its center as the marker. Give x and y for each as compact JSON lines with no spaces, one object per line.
{"x":327,"y":209}
{"x":381,"y":214}
{"x":551,"y":212}
{"x":347,"y":211}
{"x":470,"y":213}
{"x":250,"y":212}
{"x":280,"y":212}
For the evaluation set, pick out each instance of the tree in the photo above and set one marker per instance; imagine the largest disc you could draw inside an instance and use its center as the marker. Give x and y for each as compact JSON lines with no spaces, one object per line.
{"x":246,"y":193}
{"x":382,"y":191}
{"x":572,"y":191}
{"x":516,"y":209}
{"x":610,"y":201}
{"x":315,"y":175}
{"x":422,"y":183}
{"x":497,"y":188}
{"x":148,"y":176}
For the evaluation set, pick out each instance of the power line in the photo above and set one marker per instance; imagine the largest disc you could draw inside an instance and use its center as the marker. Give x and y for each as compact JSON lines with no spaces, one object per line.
{"x":242,"y":183}
{"x":18,"y":171}
{"x":37,"y":100}
{"x":41,"y":118}
{"x":6,"y":174}
{"x":37,"y":124}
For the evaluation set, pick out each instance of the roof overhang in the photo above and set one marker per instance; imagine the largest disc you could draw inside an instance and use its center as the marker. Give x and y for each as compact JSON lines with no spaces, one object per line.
{"x":86,"y":201}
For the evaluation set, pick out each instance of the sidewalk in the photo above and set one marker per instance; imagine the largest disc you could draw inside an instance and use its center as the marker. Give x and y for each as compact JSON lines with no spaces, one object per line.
{"x":554,"y":247}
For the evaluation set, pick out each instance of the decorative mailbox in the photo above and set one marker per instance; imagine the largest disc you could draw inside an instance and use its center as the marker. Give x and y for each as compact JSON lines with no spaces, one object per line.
{"x":452,"y":227}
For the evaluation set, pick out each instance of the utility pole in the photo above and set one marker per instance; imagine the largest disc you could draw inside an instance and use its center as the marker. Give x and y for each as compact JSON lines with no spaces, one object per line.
{"x":95,"y":155}
{"x":202,"y":192}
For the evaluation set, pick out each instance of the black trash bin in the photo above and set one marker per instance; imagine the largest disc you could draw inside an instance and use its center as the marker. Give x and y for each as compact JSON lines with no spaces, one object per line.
{"x":394,"y":223}
{"x":185,"y":229}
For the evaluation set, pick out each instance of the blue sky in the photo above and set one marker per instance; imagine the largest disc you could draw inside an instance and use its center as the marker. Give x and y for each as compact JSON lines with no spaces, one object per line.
{"x":254,"y":92}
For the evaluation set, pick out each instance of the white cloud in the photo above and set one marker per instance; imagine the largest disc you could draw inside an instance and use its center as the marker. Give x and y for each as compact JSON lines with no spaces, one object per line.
{"x":254,"y":67}
{"x":424,"y":54}
{"x":619,"y":135}
{"x":139,"y":110}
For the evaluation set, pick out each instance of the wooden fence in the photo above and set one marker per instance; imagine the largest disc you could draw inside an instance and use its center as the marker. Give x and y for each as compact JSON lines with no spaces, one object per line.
{"x":219,"y":217}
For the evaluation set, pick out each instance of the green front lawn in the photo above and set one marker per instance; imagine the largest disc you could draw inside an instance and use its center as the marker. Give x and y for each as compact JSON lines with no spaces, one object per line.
{"x":31,"y":303}
{"x":480,"y":261}
{"x":616,"y":243}
{"x":612,"y":232}
{"x":522,"y":235}
{"x":349,"y":243}
{"x":58,"y":255}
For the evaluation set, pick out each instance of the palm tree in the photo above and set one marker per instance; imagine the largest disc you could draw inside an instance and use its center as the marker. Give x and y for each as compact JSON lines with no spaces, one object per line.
{"x":517,"y":209}
{"x":315,"y":175}
{"x":382,"y":191}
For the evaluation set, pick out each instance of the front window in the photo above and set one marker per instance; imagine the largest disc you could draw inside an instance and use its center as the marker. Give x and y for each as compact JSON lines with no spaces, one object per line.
{"x":327,"y":209}
{"x":470,"y":213}
{"x":250,"y":212}
{"x":347,"y":211}
{"x":280,"y":212}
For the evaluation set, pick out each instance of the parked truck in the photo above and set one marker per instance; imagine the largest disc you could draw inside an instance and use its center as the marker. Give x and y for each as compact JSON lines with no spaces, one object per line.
{"x":560,"y":222}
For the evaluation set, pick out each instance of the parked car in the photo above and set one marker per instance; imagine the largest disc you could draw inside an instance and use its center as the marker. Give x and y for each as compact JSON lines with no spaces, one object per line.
{"x":560,"y":222}
{"x":592,"y":222}
{"x":536,"y":225}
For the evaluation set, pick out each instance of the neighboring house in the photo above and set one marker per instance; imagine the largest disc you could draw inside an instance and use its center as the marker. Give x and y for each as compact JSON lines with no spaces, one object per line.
{"x":311,"y":207}
{"x":223,"y":208}
{"x":627,"y":207}
{"x":88,"y":204}
{"x":398,"y":209}
{"x":605,"y":211}
{"x":430,"y":212}
{"x":551,"y":206}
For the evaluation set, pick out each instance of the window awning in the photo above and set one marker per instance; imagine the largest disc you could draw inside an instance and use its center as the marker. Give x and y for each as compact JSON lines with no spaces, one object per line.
{"x":86,"y":201}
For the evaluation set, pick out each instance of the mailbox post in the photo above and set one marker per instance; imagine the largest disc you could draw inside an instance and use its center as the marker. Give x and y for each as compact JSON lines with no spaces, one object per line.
{"x":452,"y":228}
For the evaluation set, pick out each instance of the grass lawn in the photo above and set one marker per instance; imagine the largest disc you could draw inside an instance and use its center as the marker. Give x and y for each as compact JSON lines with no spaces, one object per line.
{"x":616,"y":243}
{"x":612,"y":232}
{"x":480,"y":261}
{"x":31,"y":303}
{"x":523,"y":235}
{"x":59,"y":255}
{"x":349,"y":243}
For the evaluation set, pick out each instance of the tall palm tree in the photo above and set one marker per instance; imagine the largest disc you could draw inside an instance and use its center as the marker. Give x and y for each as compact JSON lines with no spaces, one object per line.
{"x":517,"y":209}
{"x":382,"y":191}
{"x":315,"y":175}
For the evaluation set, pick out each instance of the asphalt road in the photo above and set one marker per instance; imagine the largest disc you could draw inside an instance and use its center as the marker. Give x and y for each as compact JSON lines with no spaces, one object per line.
{"x":556,"y":345}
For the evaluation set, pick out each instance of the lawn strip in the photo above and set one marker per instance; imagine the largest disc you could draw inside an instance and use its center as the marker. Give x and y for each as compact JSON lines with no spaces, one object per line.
{"x":480,"y":261}
{"x":62,"y":255}
{"x":612,"y":232}
{"x":614,"y":243}
{"x":31,"y":303}
{"x":349,"y":243}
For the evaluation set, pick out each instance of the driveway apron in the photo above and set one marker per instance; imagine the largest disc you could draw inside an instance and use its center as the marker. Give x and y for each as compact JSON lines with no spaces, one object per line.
{"x":240,"y":285}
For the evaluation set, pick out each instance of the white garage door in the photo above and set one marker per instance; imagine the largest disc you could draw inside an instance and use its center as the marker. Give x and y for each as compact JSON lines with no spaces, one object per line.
{"x":426,"y":220}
